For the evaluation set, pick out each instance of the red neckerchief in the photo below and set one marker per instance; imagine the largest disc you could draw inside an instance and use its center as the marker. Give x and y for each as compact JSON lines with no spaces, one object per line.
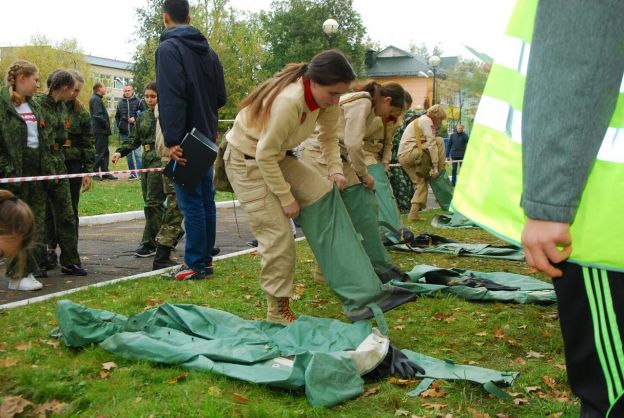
{"x":309,"y":98}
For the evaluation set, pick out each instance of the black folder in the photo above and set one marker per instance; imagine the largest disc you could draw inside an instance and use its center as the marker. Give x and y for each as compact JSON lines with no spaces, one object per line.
{"x":200,"y":153}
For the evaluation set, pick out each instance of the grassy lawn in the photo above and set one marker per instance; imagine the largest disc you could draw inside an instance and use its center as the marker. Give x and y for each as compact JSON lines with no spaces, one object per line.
{"x":506,"y":337}
{"x":120,"y":195}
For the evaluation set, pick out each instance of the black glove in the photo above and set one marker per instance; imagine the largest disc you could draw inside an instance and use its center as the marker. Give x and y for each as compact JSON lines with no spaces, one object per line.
{"x":395,"y":364}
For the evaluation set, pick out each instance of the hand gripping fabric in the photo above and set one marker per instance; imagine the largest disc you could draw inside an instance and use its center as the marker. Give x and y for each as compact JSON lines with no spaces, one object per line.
{"x":388,"y":207}
{"x":343,"y":261}
{"x":361,"y":204}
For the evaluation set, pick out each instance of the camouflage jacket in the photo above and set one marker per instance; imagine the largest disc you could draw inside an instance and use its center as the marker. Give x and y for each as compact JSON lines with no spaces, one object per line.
{"x":13,"y":136}
{"x":143,"y":133}
{"x":54,"y":132}
{"x":79,"y":145}
{"x":408,"y":116}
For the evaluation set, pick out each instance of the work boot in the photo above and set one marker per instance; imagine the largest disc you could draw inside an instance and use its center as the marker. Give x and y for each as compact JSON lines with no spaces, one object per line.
{"x":162,"y":258}
{"x":278,"y":310}
{"x":413,"y":213}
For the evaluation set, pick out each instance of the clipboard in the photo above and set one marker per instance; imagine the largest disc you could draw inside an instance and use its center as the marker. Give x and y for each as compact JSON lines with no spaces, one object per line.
{"x":200,"y":153}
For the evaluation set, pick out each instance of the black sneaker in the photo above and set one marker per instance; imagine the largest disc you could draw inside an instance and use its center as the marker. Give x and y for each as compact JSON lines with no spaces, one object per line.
{"x":216,"y":251}
{"x":109,"y":177}
{"x":253,"y":243}
{"x":97,"y":178}
{"x":73,"y":270}
{"x":144,"y":252}
{"x":187,"y":273}
{"x":40,"y":273}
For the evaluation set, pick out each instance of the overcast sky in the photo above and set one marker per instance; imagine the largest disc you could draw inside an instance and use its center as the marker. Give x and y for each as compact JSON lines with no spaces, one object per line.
{"x":109,"y":31}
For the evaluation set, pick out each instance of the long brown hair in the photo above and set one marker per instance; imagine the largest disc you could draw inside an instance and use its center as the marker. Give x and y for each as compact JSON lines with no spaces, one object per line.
{"x":326,"y":68}
{"x":16,"y":218}
{"x":17,"y":68}
{"x":393,"y":90}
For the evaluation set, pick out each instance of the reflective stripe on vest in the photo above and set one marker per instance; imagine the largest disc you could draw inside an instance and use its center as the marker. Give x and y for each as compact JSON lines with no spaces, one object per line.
{"x":491,"y":186}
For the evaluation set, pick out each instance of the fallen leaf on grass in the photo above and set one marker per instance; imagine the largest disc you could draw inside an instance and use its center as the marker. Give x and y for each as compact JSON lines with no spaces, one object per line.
{"x":8,"y":362}
{"x":398,"y":327}
{"x":51,"y":407}
{"x":152,"y":303}
{"x":238,"y":398}
{"x":522,"y":326}
{"x":550,"y":382}
{"x":481,"y":334}
{"x":534,"y":354}
{"x":176,"y":379}
{"x":519,"y":361}
{"x":51,"y":343}
{"x":435,"y":406}
{"x":400,"y":382}
{"x":401,"y":413}
{"x":3,"y":347}
{"x":532,"y":389}
{"x":435,"y":391}
{"x":247,"y":297}
{"x":295,"y":297}
{"x":369,"y":392}
{"x":555,"y":415}
{"x":446,"y":317}
{"x":13,"y":405}
{"x":501,"y":415}
{"x":104,"y":374}
{"x":138,"y":399}
{"x":499,"y":334}
{"x":547,"y":334}
{"x":22,"y":346}
{"x":110,"y":365}
{"x":214,"y":391}
{"x":520,"y":401}
{"x":477,"y":414}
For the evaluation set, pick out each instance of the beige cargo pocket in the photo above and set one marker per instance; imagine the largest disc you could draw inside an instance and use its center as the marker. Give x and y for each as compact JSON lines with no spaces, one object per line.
{"x":252,"y":198}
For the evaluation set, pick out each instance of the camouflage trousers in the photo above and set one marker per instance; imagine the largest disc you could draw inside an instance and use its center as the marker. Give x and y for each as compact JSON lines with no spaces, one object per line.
{"x":34,"y":194}
{"x":402,"y":187}
{"x":171,"y":227}
{"x":153,"y":198}
{"x":60,"y":201}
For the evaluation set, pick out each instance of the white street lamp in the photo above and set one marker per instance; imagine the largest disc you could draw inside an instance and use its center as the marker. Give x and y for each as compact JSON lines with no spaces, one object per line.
{"x":330,"y":28}
{"x":434,"y":64}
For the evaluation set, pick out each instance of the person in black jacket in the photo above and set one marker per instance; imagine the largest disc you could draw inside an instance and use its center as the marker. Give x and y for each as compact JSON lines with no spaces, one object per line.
{"x":191,"y":89}
{"x":101,"y":130}
{"x":457,"y":148}
{"x":128,"y":108}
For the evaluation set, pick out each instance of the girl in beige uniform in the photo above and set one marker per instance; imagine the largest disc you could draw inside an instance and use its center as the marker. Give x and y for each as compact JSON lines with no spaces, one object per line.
{"x":273,"y":186}
{"x":420,"y":137}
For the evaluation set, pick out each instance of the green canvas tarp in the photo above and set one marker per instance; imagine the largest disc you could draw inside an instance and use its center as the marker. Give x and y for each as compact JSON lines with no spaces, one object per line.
{"x":460,"y":249}
{"x":325,"y":357}
{"x":478,"y":286}
{"x":453,"y":221}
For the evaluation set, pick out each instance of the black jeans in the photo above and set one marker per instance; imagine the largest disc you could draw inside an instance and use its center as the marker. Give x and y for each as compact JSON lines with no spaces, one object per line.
{"x":101,"y":153}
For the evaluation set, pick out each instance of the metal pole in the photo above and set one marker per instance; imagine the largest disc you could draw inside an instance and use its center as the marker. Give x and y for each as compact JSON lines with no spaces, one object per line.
{"x":433,"y":100}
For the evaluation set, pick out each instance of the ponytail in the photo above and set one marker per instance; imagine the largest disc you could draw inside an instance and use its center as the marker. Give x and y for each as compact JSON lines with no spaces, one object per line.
{"x":393,"y":90}
{"x":58,"y":79}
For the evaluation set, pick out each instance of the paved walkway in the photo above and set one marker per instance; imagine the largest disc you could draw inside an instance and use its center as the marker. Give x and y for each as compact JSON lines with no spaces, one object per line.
{"x":106,"y":252}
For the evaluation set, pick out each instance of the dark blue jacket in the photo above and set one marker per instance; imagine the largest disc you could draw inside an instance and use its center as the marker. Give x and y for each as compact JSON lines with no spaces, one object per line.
{"x":457,"y":145}
{"x":190,"y":83}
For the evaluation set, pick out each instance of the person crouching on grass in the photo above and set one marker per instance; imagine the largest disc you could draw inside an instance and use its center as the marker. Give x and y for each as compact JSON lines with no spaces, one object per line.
{"x":143,"y":134}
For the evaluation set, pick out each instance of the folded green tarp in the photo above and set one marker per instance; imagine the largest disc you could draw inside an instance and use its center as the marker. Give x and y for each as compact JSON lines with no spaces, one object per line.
{"x":325,"y":357}
{"x":455,"y":220}
{"x":460,"y":249}
{"x":476,"y":285}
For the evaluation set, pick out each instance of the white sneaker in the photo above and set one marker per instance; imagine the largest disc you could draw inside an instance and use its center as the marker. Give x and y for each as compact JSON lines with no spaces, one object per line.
{"x":25,"y":283}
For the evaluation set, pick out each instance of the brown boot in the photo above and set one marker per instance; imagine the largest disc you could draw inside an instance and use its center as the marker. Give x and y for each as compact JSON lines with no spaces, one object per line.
{"x":413,"y":213}
{"x":279,"y":310}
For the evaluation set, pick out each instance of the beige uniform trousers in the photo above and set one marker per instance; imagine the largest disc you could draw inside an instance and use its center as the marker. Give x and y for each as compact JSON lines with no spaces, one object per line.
{"x":408,"y":162}
{"x":266,"y":218}
{"x":314,"y":158}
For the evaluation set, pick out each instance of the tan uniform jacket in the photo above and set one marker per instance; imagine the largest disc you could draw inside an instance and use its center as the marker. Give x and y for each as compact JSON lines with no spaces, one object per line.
{"x":408,"y":140}
{"x":291,"y":121}
{"x":161,"y":148}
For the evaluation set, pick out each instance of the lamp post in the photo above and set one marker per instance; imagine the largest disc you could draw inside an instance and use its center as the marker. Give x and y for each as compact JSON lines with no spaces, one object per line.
{"x":330,"y":28}
{"x":434,"y":64}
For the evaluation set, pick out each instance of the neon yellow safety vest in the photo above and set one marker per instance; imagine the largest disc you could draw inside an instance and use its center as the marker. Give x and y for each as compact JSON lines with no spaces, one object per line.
{"x":491,"y":186}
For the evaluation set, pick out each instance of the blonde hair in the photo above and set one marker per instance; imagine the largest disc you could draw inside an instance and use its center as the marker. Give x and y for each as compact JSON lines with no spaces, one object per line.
{"x":16,"y":218}
{"x":17,"y":68}
{"x":436,"y":111}
{"x":326,"y":68}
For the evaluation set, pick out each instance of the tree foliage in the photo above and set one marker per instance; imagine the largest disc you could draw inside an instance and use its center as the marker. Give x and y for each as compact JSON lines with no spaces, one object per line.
{"x":49,"y":57}
{"x":462,"y":90}
{"x":294,"y":33}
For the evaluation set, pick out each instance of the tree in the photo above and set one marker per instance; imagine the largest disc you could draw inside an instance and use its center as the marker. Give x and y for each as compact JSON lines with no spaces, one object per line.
{"x":423,"y":51}
{"x":235,"y":37}
{"x":293,"y":32}
{"x":49,"y":57}
{"x":462,"y":90}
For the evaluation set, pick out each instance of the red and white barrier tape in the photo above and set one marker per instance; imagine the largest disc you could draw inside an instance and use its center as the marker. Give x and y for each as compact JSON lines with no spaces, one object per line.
{"x":76,"y":175}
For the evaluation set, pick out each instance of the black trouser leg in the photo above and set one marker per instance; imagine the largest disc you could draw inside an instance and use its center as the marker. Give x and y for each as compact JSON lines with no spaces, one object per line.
{"x":101,"y":152}
{"x":591,"y":313}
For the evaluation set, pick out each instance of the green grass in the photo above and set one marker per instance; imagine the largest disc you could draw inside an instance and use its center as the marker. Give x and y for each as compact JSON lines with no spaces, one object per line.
{"x":119,"y":196}
{"x":441,"y":327}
